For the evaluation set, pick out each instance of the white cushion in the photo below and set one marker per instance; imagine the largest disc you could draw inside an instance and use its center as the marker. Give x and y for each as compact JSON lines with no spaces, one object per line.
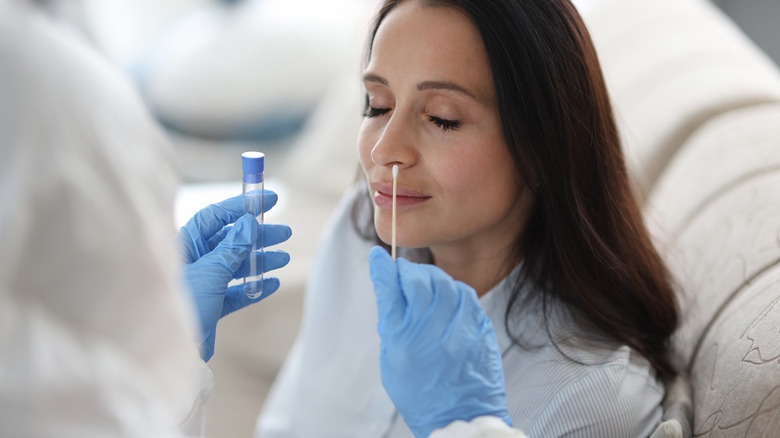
{"x":232,"y":69}
{"x":715,"y":213}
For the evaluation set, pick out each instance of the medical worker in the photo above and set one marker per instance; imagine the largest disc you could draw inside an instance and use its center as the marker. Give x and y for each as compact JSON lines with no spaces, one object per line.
{"x":96,"y":335}
{"x":103,"y":332}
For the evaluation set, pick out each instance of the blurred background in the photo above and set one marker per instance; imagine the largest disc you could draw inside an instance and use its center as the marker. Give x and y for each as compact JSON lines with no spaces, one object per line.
{"x":280,"y":77}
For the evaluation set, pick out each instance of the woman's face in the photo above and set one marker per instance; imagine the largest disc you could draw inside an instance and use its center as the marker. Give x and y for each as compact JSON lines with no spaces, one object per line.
{"x":432,"y":111}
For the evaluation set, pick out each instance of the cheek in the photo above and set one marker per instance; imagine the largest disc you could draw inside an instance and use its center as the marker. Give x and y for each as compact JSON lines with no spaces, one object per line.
{"x":486,"y":181}
{"x":463,"y":174}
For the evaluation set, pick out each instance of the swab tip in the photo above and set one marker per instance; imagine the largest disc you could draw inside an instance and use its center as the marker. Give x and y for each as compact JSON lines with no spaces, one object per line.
{"x":395,"y":171}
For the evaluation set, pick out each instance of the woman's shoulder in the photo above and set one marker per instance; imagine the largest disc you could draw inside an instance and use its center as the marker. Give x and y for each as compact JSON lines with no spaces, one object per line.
{"x":583,"y":391}
{"x":562,"y":380}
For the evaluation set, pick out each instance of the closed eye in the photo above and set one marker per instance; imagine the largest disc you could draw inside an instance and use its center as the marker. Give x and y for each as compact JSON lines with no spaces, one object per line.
{"x":444,"y":124}
{"x":372,"y":112}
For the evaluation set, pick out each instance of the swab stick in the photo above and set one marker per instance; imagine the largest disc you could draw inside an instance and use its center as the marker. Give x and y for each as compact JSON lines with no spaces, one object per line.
{"x":395,"y":183}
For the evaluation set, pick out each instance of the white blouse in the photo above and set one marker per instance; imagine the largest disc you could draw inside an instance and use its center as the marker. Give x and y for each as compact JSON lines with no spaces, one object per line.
{"x":330,"y":384}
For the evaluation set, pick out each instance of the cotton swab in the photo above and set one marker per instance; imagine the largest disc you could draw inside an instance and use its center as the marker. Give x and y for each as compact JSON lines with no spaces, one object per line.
{"x":395,"y":184}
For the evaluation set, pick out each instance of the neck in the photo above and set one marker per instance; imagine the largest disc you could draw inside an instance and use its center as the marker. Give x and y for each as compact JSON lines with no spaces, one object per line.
{"x":482,"y":267}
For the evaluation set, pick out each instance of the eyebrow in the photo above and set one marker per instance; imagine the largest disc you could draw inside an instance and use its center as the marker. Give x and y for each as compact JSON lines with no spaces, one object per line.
{"x":427,"y":85}
{"x":371,"y":77}
{"x":442,"y":85}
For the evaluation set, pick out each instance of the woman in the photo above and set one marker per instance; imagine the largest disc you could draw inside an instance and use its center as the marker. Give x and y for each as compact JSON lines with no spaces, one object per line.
{"x":512,"y":181}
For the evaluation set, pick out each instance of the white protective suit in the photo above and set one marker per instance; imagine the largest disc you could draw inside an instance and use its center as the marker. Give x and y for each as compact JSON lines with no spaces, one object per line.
{"x":95,"y":334}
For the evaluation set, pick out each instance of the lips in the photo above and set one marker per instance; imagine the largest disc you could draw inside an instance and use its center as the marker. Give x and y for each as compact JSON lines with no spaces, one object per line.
{"x":383,"y":196}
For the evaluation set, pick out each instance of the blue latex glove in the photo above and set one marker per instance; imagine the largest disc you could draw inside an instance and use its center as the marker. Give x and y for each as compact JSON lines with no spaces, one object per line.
{"x":215,"y":252}
{"x":439,"y":355}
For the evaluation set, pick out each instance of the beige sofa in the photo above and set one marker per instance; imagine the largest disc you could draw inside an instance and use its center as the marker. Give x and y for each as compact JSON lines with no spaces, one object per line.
{"x":699,"y":110}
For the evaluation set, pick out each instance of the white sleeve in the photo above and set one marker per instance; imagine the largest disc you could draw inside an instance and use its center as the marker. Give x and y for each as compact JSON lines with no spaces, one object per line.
{"x":480,"y":427}
{"x":95,"y":333}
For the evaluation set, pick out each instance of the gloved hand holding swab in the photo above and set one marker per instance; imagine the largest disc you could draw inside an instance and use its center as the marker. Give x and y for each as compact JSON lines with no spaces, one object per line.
{"x":395,"y":184}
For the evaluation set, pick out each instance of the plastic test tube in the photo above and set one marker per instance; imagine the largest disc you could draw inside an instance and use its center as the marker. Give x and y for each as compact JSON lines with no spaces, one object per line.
{"x":253,"y":165}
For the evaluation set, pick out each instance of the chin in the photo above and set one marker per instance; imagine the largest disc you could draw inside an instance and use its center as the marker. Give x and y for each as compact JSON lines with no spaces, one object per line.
{"x":401,"y":240}
{"x":417,"y":238}
{"x":386,"y":236}
{"x":383,"y":225}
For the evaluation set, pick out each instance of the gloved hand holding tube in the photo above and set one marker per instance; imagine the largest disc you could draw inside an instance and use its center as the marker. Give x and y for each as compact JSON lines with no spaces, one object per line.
{"x":439,"y":356}
{"x":216,"y":252}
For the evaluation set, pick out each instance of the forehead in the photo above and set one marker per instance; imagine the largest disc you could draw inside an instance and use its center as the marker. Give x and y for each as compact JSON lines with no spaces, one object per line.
{"x":431,"y":43}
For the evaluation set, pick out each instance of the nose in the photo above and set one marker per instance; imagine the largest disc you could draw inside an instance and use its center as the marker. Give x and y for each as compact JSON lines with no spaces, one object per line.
{"x":395,"y":144}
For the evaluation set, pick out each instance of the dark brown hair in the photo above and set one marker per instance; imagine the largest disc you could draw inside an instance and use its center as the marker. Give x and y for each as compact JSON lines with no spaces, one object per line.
{"x":585,"y":244}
